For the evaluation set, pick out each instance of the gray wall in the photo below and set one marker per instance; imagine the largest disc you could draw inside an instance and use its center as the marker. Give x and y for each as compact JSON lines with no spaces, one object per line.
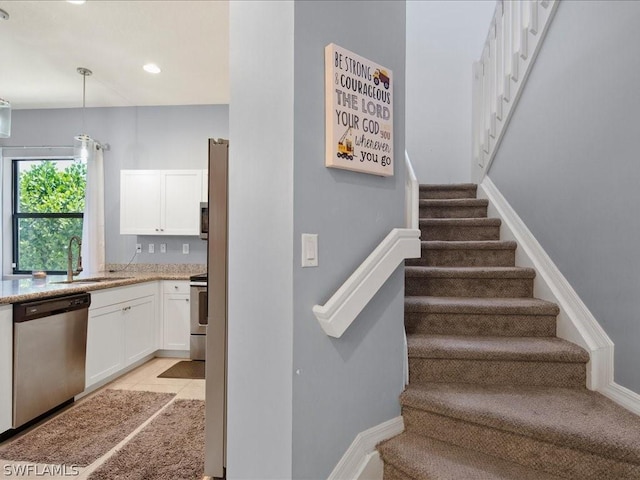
{"x":260,"y":286}
{"x":349,"y":384}
{"x":569,"y":164}
{"x":444,"y":37}
{"x":140,"y":138}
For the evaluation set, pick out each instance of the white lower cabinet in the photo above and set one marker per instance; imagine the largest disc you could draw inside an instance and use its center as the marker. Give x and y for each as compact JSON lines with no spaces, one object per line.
{"x":105,"y":343}
{"x":6,"y":366}
{"x":176,"y":314}
{"x":122,"y":329}
{"x":139,"y":329}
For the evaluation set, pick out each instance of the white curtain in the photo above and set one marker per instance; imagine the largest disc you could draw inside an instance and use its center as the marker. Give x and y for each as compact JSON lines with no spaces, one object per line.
{"x":93,"y":256}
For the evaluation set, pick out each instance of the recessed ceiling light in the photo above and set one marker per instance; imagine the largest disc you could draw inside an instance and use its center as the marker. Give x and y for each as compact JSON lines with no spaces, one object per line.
{"x":3,"y":15}
{"x":152,"y":68}
{"x":77,"y":2}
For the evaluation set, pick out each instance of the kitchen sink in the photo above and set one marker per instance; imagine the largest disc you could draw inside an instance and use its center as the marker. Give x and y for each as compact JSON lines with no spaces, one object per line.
{"x":92,"y":280}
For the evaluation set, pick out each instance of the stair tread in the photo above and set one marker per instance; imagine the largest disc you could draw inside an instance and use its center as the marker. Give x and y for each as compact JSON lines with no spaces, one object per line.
{"x":463,"y":222}
{"x":445,"y":186}
{"x":471,"y":305}
{"x":425,"y":458}
{"x":453,"y":202}
{"x":467,"y":347}
{"x":469,"y":272}
{"x":571,"y":417}
{"x":468,"y":245}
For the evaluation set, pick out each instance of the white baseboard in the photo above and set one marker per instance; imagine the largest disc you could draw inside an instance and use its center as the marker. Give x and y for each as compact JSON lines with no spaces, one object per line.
{"x":623,"y":396}
{"x":361,"y":460}
{"x":575,"y":322}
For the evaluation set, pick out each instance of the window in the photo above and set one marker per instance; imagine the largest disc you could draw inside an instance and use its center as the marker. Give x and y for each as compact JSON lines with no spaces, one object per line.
{"x":48,"y":205}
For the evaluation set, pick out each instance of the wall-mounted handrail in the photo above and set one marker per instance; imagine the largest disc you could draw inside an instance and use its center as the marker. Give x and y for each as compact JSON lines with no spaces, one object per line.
{"x":412,"y":194}
{"x":515,"y":36}
{"x":345,"y":305}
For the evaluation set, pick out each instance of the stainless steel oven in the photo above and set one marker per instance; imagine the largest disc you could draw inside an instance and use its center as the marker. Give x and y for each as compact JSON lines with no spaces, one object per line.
{"x":199,"y":316}
{"x":204,"y":220}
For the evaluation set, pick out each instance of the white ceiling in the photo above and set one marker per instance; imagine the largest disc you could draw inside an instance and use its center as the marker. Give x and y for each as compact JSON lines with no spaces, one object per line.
{"x":43,"y":42}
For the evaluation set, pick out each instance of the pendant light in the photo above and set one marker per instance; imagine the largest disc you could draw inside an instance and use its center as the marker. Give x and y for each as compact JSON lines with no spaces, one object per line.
{"x":83,"y":142}
{"x":5,"y":119}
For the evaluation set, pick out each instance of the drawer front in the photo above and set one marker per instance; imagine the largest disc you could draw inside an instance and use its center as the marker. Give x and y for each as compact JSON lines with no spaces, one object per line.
{"x":178,"y":286}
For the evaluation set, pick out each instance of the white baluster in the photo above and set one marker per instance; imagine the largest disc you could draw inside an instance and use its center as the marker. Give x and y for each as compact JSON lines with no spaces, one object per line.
{"x":493,"y":95}
{"x":515,"y":39}
{"x":524,"y":29}
{"x":533,"y":17}
{"x":499,"y":61}
{"x":507,"y":49}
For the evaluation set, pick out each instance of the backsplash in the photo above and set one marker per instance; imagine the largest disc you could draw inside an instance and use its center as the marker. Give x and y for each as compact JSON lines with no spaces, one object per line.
{"x":187,"y":268}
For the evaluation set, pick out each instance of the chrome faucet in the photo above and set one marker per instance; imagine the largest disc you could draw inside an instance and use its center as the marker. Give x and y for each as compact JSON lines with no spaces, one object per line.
{"x":70,"y":272}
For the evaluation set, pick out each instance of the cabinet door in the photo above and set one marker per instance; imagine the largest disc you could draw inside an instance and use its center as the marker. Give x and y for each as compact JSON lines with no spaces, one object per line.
{"x":176,"y":321}
{"x":6,"y":366}
{"x":139,"y":329}
{"x":205,"y":185}
{"x":105,"y":343}
{"x":182,"y":192}
{"x":140,"y":197}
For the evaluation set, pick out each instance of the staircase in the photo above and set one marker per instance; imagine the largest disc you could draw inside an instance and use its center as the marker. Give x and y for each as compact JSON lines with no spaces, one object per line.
{"x":493,"y":393}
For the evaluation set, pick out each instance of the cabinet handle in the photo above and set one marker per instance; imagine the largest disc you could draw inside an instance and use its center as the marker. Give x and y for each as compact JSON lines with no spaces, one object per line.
{"x":187,"y":300}
{"x":125,"y":309}
{"x":175,"y":286}
{"x":157,"y":229}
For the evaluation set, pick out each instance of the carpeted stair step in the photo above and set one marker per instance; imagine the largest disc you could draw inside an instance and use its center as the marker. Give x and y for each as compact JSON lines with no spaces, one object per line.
{"x":414,"y":457}
{"x":469,"y":281}
{"x":453,"y":208}
{"x":460,"y":229}
{"x":508,"y":317}
{"x":573,"y":433}
{"x":462,"y":190}
{"x":496,"y":360}
{"x":490,"y":253}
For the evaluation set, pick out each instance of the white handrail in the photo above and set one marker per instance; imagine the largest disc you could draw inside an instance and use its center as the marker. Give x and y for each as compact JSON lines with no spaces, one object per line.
{"x":513,"y":42}
{"x":412,"y":194}
{"x":345,"y":305}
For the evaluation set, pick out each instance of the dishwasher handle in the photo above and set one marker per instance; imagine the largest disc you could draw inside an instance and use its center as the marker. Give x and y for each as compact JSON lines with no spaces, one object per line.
{"x":25,"y":311}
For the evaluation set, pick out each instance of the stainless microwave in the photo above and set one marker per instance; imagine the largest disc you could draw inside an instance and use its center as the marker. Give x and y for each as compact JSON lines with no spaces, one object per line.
{"x":204,"y":220}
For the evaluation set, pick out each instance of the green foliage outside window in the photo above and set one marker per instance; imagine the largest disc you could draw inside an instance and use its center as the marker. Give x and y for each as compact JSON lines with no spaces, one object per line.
{"x":50,"y":202}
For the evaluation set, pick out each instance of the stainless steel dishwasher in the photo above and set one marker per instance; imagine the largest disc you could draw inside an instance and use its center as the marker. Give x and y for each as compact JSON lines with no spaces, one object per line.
{"x":49,"y":353}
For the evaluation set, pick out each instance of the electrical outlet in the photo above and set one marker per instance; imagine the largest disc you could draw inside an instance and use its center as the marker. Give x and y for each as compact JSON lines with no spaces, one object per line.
{"x":185,"y":248}
{"x":163,"y":248}
{"x":138,"y":248}
{"x":152,"y":248}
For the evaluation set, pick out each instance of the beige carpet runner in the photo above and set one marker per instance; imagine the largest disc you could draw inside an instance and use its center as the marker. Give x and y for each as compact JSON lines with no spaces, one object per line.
{"x":493,"y":393}
{"x":87,"y":430}
{"x":171,"y":447}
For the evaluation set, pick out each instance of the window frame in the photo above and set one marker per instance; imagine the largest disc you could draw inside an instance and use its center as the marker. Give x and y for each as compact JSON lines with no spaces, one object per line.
{"x":16,"y":216}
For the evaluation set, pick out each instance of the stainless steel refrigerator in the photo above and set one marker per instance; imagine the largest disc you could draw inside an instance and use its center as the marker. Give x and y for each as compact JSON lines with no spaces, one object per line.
{"x":216,"y":342}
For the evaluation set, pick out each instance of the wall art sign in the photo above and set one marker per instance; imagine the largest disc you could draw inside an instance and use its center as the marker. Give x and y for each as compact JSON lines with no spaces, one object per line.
{"x":359,"y":113}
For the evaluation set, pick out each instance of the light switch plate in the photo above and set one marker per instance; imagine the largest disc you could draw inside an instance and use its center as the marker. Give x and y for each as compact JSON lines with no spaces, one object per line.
{"x":152,"y":248}
{"x":138,"y":248}
{"x":185,"y":248}
{"x":309,"y":249}
{"x":163,"y":248}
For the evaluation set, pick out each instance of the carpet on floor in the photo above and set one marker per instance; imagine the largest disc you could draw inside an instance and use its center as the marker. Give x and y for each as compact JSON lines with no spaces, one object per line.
{"x":193,"y":369}
{"x":87,"y":430}
{"x":171,"y":447}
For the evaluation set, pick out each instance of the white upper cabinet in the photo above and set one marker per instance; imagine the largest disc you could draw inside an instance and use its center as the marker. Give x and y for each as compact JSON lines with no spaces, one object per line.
{"x":160,"y":202}
{"x":205,"y":185}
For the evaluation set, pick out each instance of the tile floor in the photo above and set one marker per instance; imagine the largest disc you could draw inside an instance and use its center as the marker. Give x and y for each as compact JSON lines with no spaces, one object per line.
{"x":142,"y":378}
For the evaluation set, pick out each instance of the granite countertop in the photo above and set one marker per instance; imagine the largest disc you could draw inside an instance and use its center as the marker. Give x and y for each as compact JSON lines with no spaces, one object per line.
{"x":22,"y":289}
